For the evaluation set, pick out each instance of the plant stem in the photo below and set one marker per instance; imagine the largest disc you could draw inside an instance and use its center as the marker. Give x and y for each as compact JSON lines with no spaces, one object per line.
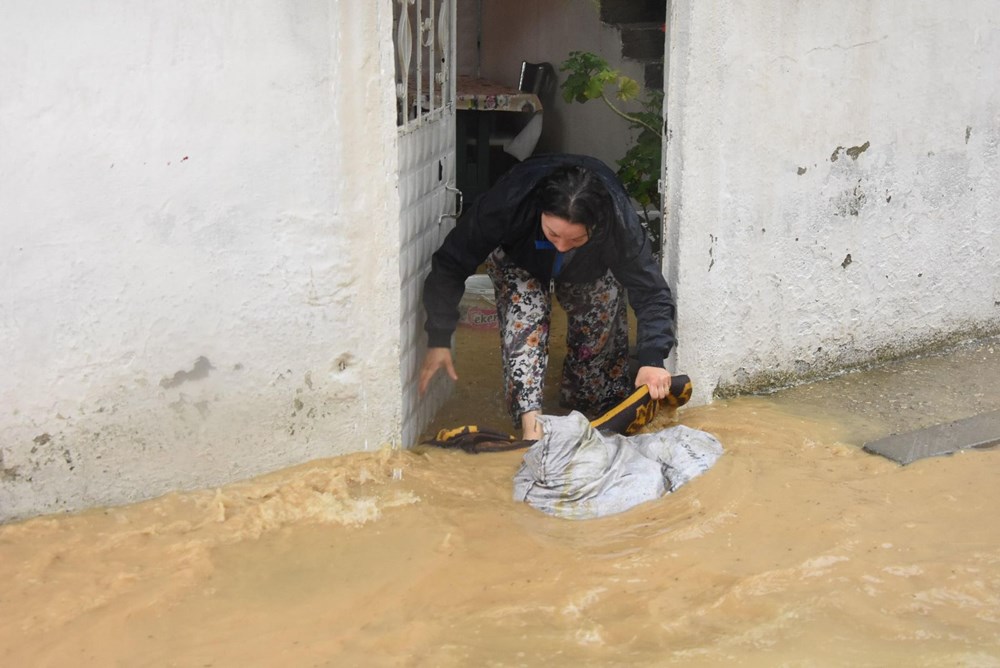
{"x":631,"y":119}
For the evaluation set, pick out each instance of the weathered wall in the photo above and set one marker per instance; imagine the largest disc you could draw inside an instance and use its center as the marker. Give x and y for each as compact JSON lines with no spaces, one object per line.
{"x":200,"y":244}
{"x":833,"y":183}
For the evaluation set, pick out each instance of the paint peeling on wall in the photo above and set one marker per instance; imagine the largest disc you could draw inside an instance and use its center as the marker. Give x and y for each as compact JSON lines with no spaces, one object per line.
{"x":44,"y":452}
{"x":852,"y":152}
{"x":850,"y":202}
{"x":311,"y":407}
{"x":855,"y":151}
{"x":343,"y":362}
{"x":200,"y":370}
{"x":8,"y":473}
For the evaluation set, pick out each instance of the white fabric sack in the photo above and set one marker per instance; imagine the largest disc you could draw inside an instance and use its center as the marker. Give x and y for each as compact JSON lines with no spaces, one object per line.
{"x":576,"y":472}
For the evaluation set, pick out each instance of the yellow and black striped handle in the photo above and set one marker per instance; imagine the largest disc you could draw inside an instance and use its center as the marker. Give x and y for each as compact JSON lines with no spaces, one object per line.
{"x":640,"y":408}
{"x":680,"y":391}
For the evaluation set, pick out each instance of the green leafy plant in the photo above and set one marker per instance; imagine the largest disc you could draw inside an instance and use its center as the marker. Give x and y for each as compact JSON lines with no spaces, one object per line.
{"x":591,"y":78}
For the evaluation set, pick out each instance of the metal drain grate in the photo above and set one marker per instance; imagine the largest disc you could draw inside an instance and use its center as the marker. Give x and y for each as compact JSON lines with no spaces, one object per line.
{"x":977,"y":432}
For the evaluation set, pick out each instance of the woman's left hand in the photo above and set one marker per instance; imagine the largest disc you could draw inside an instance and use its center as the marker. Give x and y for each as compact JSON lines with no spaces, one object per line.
{"x":657,"y":378}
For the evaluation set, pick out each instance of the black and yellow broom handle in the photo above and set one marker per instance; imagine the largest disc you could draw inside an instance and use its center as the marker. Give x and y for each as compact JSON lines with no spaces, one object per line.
{"x":680,"y":391}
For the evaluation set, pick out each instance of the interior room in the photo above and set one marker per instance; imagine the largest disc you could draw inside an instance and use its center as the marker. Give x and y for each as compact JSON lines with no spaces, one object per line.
{"x":494,"y":39}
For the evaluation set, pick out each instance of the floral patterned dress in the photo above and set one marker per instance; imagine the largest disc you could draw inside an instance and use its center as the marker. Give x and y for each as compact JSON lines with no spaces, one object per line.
{"x":596,"y":369}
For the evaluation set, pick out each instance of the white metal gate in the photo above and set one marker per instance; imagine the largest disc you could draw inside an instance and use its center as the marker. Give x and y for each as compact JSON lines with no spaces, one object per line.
{"x":425,"y":94}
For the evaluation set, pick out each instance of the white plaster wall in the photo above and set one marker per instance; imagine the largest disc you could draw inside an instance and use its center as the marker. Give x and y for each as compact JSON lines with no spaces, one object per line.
{"x":200,"y":275}
{"x":793,"y":255}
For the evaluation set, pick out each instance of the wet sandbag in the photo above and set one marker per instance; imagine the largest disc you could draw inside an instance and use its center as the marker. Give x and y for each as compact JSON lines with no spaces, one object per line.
{"x":576,"y":472}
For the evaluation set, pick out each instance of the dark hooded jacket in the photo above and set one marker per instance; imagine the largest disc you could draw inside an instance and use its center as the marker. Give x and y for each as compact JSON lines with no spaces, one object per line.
{"x":508,"y":216}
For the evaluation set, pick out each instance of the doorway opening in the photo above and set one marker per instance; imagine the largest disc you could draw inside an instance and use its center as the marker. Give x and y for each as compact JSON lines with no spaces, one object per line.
{"x":493,"y":40}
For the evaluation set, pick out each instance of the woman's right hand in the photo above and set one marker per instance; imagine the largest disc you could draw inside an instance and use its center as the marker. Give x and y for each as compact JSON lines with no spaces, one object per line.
{"x":435,"y":359}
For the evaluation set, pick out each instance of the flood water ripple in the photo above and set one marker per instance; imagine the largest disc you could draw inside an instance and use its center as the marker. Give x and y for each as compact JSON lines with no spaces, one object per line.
{"x":796,"y":549}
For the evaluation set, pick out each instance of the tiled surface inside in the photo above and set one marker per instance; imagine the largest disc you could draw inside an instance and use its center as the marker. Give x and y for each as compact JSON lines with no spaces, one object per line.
{"x":426,"y":167}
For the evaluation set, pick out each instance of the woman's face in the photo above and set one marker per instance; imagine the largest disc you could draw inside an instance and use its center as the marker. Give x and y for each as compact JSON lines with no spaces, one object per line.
{"x":563,"y":234}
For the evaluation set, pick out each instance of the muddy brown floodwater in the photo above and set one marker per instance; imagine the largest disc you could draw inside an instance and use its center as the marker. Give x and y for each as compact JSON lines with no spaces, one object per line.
{"x":796,"y":549}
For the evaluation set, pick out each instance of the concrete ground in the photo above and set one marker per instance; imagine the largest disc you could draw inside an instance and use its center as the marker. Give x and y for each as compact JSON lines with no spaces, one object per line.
{"x":910,"y":394}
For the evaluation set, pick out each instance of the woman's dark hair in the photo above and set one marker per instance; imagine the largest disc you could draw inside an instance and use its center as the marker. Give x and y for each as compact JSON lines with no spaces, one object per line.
{"x":577,"y":195}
